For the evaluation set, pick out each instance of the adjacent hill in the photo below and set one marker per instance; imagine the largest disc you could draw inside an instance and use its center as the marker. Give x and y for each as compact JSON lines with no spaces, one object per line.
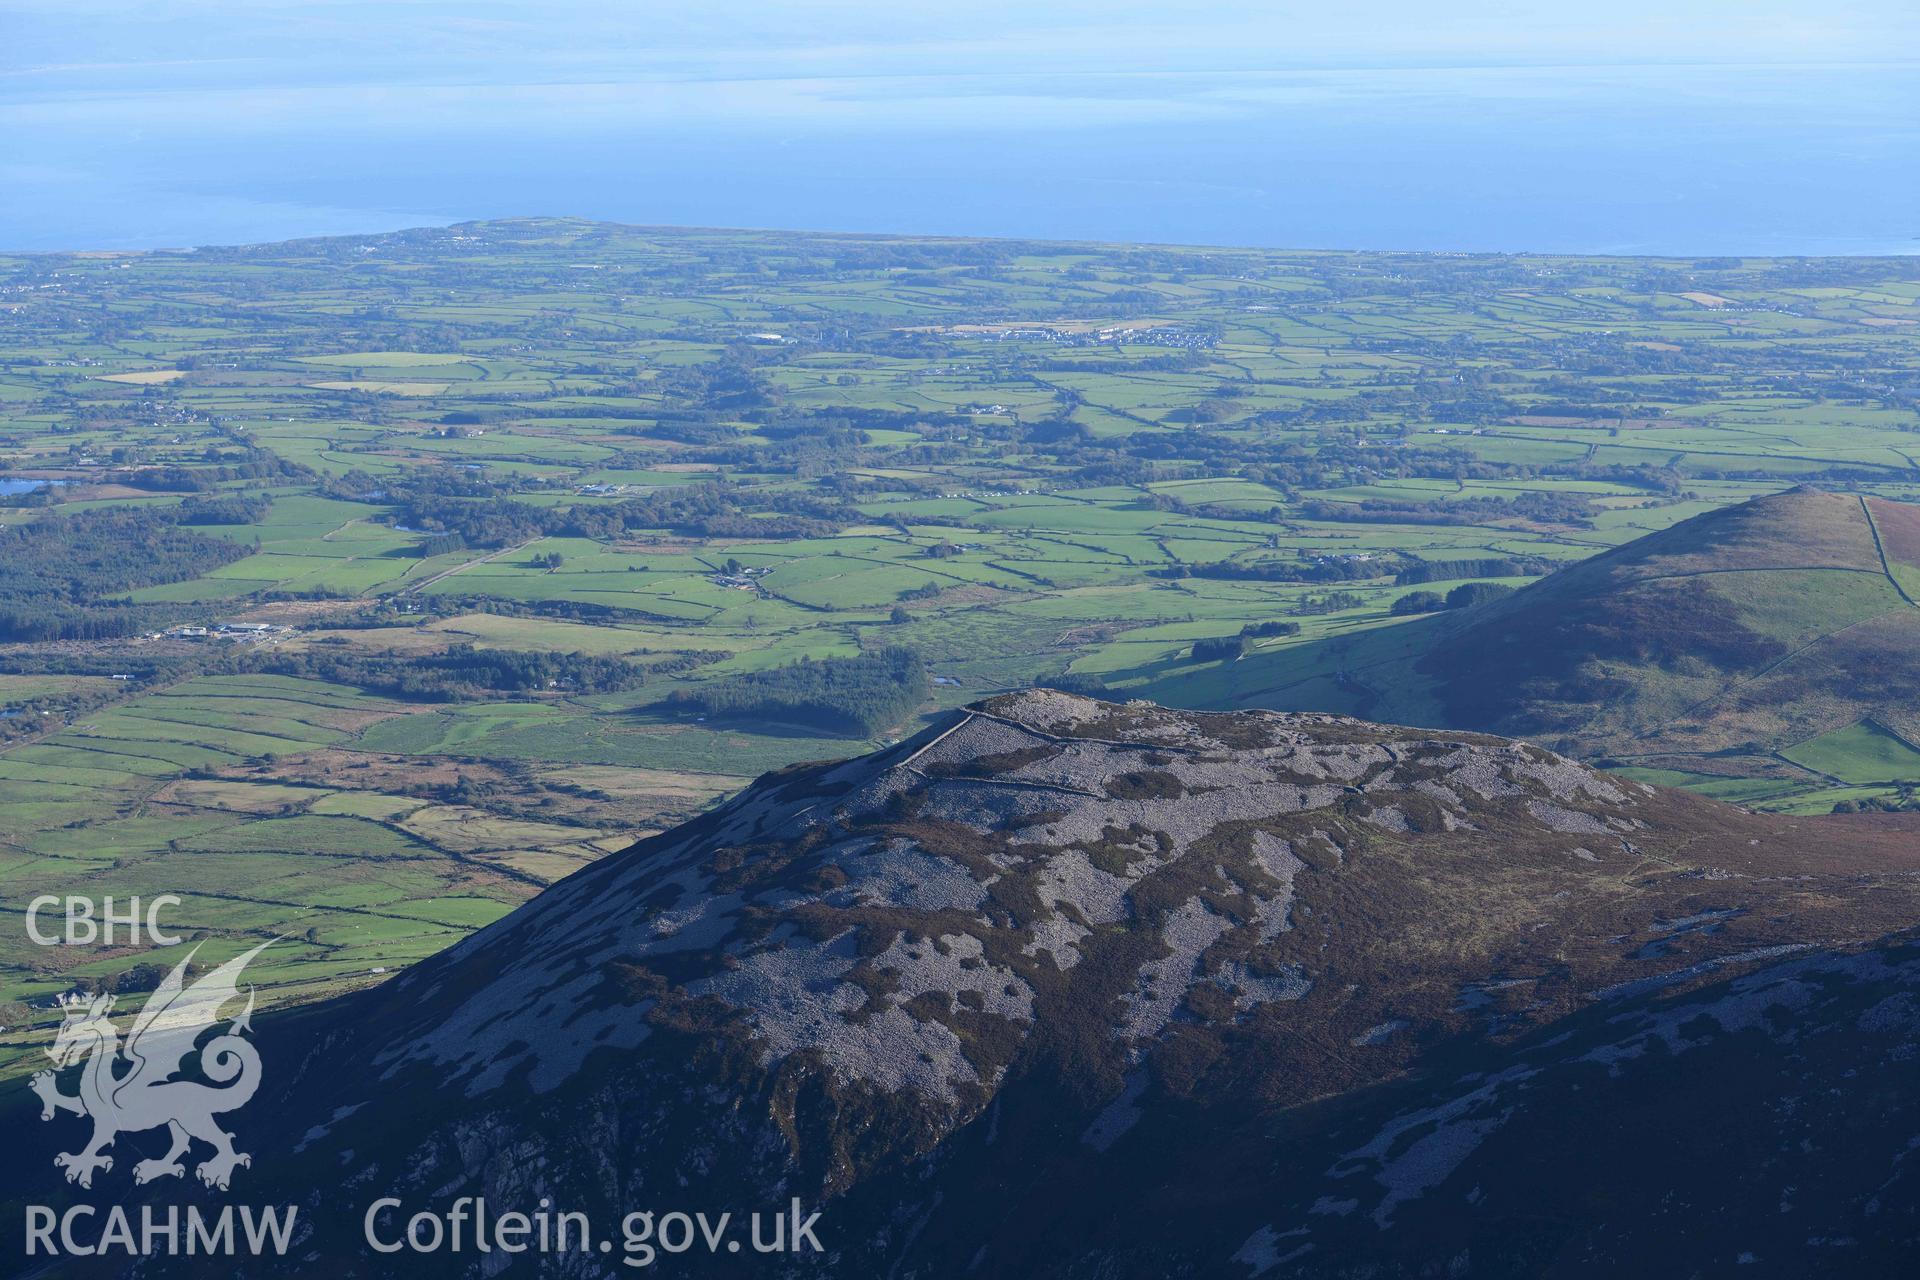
{"x":1069,"y":988}
{"x":1779,"y":637}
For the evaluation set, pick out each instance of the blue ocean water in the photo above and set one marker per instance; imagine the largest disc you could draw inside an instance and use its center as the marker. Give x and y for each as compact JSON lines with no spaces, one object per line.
{"x":1664,"y":159}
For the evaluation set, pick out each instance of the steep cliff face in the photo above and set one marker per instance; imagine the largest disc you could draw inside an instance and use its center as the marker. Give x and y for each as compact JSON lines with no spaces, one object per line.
{"x":1015,"y":991}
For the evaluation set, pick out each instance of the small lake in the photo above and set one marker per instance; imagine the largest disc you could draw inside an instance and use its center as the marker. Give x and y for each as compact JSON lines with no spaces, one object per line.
{"x":11,"y":486}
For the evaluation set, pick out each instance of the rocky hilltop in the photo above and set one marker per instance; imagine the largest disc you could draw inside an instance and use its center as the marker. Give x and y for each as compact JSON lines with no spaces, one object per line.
{"x":1069,"y":987}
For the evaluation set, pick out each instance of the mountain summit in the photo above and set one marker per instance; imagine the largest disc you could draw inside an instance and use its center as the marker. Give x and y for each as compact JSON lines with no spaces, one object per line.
{"x":1772,"y":638}
{"x":1066,"y":987}
{"x":1761,"y":624}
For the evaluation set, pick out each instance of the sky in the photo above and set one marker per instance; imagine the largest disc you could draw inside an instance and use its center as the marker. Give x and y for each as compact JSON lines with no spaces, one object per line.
{"x":1687,"y":126}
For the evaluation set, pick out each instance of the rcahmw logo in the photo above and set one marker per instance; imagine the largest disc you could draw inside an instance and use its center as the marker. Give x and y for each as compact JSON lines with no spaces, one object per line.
{"x":129,"y":1088}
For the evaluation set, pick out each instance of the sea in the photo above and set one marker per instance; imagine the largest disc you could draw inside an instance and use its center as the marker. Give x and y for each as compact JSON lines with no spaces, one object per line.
{"x":1665,"y":159}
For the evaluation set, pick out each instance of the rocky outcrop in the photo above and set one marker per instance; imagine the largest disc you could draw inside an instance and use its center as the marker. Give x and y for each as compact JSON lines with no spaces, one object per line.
{"x":1068,"y":925}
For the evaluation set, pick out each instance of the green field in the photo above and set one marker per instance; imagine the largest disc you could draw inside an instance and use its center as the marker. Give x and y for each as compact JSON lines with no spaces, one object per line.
{"x":1025,"y":461}
{"x":1859,"y":754}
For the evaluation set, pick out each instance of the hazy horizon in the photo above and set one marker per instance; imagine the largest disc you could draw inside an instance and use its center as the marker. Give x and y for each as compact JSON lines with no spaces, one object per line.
{"x":1719,"y":129}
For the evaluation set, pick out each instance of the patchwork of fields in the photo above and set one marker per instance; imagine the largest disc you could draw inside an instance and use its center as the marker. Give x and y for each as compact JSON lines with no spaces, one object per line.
{"x":704,"y":457}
